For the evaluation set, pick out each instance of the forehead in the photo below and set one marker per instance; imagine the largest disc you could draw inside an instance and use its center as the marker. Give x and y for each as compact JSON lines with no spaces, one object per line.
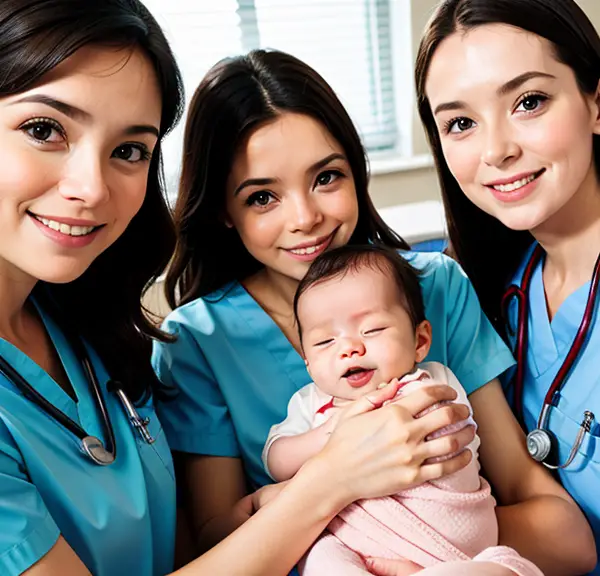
{"x":289,"y":141}
{"x":368,"y":287}
{"x":486,"y":56}
{"x":108,"y":82}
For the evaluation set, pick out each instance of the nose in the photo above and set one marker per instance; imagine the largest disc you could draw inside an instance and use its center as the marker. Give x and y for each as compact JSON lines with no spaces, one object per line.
{"x":500,"y":147}
{"x":304,"y":212}
{"x":352,"y":347}
{"x":84,"y":179}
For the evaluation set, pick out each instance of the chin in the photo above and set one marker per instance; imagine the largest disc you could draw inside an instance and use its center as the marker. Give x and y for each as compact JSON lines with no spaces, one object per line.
{"x":520,"y":219}
{"x":59,"y":274}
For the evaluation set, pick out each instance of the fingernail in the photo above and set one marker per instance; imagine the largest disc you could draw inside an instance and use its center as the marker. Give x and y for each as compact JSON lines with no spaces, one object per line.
{"x":382,"y":385}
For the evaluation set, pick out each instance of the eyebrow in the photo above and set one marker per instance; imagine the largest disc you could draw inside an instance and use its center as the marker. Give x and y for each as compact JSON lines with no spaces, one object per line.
{"x":81,"y":115}
{"x":505,"y":89}
{"x":266,"y":181}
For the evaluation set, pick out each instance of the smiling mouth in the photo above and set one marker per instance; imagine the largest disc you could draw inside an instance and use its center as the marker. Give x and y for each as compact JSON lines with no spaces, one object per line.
{"x":512,"y":186}
{"x":354,"y":371}
{"x":65,"y":229}
{"x":307,"y":250}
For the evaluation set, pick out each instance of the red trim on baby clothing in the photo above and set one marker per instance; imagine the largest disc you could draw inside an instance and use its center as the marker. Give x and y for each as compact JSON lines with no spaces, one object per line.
{"x":325,"y":407}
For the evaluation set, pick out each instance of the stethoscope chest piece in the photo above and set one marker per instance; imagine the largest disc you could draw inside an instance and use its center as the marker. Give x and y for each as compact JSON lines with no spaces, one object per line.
{"x":94,"y":448}
{"x":539,"y":444}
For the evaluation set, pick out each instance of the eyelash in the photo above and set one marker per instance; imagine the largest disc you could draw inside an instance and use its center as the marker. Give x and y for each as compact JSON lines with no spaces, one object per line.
{"x":542,"y":98}
{"x":41,"y":121}
{"x":253,"y":198}
{"x":145,"y":154}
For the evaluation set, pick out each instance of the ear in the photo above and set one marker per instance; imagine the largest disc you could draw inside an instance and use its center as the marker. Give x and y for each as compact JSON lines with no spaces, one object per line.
{"x":422,"y":340}
{"x":306,"y":363}
{"x":225,"y":218}
{"x":596,"y":110}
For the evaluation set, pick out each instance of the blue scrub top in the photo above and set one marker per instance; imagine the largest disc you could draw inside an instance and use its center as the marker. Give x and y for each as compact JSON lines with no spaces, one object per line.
{"x":236,"y":371}
{"x":549,"y":343}
{"x":119,"y":519}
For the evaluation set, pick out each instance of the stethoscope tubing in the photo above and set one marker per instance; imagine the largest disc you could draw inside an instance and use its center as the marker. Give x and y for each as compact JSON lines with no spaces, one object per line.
{"x":34,"y":396}
{"x":579,"y":342}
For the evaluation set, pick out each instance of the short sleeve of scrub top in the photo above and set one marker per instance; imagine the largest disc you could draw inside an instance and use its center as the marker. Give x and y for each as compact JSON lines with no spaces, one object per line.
{"x":235,"y":371}
{"x":119,"y":519}
{"x":27,"y":530}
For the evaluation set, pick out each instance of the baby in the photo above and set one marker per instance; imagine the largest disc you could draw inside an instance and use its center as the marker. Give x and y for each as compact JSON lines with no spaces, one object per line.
{"x":361,"y":320}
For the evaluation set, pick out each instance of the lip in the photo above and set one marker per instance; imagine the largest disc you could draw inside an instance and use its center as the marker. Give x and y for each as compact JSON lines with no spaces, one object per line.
{"x":64,"y":240}
{"x":520,"y":193}
{"x":514,"y":178}
{"x":323,"y":242}
{"x":67,"y":221}
{"x":360,"y":379}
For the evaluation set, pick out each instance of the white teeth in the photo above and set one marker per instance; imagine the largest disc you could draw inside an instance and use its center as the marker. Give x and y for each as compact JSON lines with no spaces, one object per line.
{"x":514,"y":185}
{"x":65,"y":228}
{"x":309,"y":250}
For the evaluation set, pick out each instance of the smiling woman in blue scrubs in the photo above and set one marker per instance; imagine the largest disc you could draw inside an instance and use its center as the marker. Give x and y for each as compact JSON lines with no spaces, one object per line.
{"x":279,"y":179}
{"x":509,"y":94}
{"x":86,"y":91}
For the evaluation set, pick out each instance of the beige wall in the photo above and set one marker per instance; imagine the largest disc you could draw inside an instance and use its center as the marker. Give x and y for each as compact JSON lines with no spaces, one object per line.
{"x":415,"y":185}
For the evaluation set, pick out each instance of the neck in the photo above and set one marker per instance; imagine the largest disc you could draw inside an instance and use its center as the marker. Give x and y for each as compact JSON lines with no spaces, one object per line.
{"x":273,"y":291}
{"x":15,"y":289}
{"x":571,"y":237}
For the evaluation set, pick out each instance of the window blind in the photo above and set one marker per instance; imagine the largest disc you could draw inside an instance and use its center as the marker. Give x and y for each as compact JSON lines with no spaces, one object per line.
{"x":349,"y":42}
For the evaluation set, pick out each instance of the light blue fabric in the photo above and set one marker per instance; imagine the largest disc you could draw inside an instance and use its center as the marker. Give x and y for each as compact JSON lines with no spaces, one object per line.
{"x":235,"y":370}
{"x":119,"y":519}
{"x":549,"y":343}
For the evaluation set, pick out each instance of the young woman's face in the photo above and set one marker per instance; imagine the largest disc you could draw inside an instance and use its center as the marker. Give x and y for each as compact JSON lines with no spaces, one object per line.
{"x":515,"y":129}
{"x":75,"y":155}
{"x":291,"y":194}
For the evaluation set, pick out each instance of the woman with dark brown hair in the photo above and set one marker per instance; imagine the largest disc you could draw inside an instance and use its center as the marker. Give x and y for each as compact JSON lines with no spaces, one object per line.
{"x":273,"y":175}
{"x":509,"y":95}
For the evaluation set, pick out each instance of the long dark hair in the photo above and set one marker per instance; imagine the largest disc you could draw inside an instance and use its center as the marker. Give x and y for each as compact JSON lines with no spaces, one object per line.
{"x":235,"y":97}
{"x":104,"y":304}
{"x":489,"y":251}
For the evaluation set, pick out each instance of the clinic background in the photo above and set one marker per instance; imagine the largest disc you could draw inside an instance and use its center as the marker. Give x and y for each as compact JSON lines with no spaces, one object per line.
{"x":403,"y":185}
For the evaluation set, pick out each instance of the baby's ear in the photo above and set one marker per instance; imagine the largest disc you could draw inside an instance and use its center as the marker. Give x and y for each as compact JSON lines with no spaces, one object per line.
{"x":307,"y":364}
{"x":422,"y":340}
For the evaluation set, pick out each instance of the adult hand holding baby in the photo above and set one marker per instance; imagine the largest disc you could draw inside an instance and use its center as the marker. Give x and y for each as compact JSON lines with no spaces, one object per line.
{"x":377,"y":450}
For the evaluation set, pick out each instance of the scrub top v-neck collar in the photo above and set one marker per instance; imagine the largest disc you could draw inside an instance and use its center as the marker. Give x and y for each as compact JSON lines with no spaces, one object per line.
{"x":275,"y":341}
{"x":83,"y":410}
{"x":550,"y":339}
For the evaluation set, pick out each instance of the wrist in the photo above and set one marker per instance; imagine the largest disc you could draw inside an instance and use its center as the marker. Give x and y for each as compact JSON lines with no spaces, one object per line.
{"x":321,"y":482}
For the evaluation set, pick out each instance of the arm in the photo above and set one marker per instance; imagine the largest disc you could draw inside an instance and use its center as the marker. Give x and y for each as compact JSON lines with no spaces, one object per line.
{"x":287,"y":454}
{"x":212,"y":488}
{"x":536,"y":515}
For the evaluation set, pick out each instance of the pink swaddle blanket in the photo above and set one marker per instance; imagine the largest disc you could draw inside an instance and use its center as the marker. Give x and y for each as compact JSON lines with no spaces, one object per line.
{"x":451,"y":520}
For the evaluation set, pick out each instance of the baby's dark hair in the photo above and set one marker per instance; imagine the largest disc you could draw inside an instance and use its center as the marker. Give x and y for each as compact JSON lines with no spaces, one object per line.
{"x":351,"y":258}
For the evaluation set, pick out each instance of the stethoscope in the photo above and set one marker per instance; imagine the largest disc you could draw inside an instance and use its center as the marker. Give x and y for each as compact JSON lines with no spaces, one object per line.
{"x":541,"y":441}
{"x":91,"y":446}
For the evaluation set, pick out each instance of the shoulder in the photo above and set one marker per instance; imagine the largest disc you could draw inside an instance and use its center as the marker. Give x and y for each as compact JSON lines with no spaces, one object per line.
{"x":206,"y":314}
{"x":438,"y":273}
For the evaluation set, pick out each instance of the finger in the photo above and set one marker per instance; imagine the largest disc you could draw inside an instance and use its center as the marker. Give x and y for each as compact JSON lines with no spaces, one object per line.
{"x":446,"y":415}
{"x":373,"y":400}
{"x":423,"y":398}
{"x":440,"y":469}
{"x":447,"y":445}
{"x":387,"y":567}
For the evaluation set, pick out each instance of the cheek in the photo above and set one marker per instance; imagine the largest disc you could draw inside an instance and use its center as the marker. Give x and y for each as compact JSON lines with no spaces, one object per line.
{"x":463,"y":159}
{"x":259,"y":231}
{"x":341,"y":205}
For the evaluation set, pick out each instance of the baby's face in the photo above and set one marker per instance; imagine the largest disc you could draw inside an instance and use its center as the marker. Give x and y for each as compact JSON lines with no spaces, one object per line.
{"x":356,"y":333}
